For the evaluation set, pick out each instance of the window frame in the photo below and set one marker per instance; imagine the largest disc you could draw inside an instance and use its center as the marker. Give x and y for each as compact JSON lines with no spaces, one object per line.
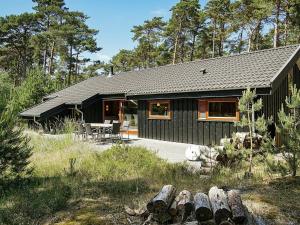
{"x":159,"y":117}
{"x":206,"y":107}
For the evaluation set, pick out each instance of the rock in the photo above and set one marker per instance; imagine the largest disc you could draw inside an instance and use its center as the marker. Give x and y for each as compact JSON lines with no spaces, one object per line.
{"x":192,"y":153}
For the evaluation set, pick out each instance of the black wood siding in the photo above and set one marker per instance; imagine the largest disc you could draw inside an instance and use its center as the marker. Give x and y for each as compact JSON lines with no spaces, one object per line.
{"x":184,"y":125}
{"x":272,"y":103}
{"x":92,"y":113}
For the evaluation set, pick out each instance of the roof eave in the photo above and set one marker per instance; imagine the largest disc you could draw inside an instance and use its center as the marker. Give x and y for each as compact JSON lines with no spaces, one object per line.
{"x":288,"y":64}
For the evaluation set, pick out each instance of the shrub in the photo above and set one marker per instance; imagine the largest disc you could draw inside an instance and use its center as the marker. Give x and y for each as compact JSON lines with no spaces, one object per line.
{"x":288,"y":126}
{"x":14,"y":148}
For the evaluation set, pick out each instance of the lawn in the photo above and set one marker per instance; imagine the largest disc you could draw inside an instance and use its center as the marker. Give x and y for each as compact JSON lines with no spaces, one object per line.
{"x":72,"y":183}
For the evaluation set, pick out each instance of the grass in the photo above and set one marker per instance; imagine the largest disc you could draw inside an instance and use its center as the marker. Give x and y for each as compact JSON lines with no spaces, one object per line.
{"x":96,"y":187}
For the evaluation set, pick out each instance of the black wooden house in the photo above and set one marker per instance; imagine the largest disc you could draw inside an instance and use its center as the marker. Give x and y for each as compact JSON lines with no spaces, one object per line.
{"x":192,"y":102}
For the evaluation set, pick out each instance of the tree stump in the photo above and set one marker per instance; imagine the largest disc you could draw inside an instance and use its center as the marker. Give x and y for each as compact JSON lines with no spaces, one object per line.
{"x":237,"y":207}
{"x":220,"y":207}
{"x":184,"y":204}
{"x":202,"y":207}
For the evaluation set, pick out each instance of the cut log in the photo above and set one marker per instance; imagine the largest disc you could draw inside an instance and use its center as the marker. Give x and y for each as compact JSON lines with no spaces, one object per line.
{"x":184,"y":204}
{"x":227,"y":222}
{"x":162,"y":201}
{"x":202,"y":207}
{"x":237,"y":207}
{"x":173,"y":209}
{"x":162,"y":217}
{"x":220,"y":207}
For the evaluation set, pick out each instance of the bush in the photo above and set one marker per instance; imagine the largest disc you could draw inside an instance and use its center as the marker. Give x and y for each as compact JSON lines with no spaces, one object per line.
{"x":5,"y":90}
{"x":32,"y":90}
{"x":288,"y":127}
{"x":14,"y":148}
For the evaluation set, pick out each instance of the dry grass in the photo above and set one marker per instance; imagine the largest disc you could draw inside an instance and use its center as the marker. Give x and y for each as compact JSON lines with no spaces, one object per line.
{"x":100,"y":184}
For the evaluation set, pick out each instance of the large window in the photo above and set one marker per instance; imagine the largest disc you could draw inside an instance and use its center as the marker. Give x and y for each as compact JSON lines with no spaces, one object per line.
{"x":159,"y":109}
{"x":224,"y":109}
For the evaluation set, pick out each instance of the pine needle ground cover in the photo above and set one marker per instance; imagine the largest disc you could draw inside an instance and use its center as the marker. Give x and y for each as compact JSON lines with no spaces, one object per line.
{"x":73,"y":183}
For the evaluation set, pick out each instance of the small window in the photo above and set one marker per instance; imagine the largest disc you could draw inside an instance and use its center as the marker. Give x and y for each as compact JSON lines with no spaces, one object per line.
{"x":159,"y":109}
{"x":218,"y":109}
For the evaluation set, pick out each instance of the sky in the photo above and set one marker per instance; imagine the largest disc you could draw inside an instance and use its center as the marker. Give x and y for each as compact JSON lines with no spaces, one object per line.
{"x":113,"y":18}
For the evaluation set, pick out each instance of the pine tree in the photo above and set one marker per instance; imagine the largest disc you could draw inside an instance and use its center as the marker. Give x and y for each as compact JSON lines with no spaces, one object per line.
{"x":248,"y":106}
{"x":149,"y":37}
{"x":218,"y":12}
{"x":179,"y":26}
{"x":14,"y":148}
{"x":289,"y":128}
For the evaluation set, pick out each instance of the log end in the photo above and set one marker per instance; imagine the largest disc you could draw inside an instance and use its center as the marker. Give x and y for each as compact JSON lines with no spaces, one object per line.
{"x":203,"y":214}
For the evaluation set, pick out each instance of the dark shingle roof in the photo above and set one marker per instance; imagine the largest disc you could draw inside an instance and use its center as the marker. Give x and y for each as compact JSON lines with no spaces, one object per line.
{"x":255,"y":69}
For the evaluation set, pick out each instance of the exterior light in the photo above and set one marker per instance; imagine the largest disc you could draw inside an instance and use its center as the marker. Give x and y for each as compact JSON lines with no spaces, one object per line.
{"x":106,"y":107}
{"x":157,"y":104}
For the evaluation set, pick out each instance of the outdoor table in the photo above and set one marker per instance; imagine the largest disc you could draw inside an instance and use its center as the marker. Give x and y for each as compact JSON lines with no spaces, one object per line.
{"x":102,"y":126}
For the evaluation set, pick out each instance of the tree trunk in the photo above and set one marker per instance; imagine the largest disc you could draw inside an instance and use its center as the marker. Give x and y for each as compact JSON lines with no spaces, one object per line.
{"x":184,"y":204}
{"x":250,"y":40}
{"x":213,"y":39}
{"x":218,"y":200}
{"x":237,"y":208}
{"x":182,"y":52}
{"x":76,"y":67}
{"x":176,"y":42}
{"x":162,"y":201}
{"x":44,"y":60}
{"x":221,"y":39}
{"x":276,"y":29}
{"x":286,"y":23}
{"x":70,"y":65}
{"x":202,"y":207}
{"x":193,"y":47}
{"x":240,"y":42}
{"x":50,"y":71}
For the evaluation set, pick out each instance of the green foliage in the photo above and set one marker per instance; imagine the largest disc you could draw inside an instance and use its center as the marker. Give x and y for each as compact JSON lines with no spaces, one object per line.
{"x":5,"y":90}
{"x":249,"y":105}
{"x":103,"y":182}
{"x":288,"y":127}
{"x":32,"y":90}
{"x":14,"y":149}
{"x":51,"y":37}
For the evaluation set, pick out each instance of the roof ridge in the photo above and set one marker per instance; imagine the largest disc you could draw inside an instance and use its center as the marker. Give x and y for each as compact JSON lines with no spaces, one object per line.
{"x":207,"y":59}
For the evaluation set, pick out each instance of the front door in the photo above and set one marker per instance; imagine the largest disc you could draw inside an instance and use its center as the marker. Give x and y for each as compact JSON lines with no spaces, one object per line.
{"x":112,"y":110}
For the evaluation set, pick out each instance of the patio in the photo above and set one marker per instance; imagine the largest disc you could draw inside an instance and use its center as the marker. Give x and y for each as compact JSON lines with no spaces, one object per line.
{"x":171,"y":151}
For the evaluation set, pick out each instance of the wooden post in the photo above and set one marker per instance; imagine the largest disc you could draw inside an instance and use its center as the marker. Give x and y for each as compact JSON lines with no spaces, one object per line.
{"x":202,"y":207}
{"x":218,"y":200}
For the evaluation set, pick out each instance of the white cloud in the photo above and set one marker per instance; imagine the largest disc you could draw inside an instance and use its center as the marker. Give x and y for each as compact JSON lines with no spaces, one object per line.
{"x":158,"y":12}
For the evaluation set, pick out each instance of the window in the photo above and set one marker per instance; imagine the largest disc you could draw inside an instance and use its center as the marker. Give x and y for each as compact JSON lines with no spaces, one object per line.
{"x":159,"y":109}
{"x":224,"y":109}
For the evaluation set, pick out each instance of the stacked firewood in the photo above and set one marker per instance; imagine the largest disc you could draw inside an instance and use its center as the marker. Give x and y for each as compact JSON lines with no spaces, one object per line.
{"x":217,"y":207}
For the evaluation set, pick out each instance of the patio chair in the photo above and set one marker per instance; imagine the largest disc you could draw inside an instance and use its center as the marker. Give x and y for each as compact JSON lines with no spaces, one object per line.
{"x":125,"y":127}
{"x":114,"y":133}
{"x":90,"y":131}
{"x":107,"y":121}
{"x":80,"y":131}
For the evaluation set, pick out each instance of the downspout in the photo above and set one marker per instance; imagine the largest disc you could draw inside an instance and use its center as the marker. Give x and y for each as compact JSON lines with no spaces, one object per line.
{"x":76,"y":109}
